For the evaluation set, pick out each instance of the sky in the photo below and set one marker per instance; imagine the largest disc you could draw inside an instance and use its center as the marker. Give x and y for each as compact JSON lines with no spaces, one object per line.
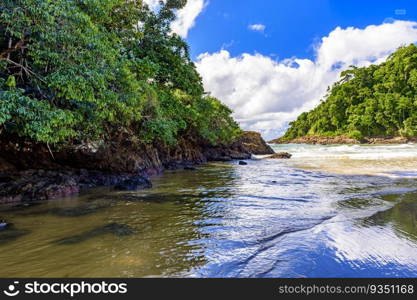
{"x":271,"y":60}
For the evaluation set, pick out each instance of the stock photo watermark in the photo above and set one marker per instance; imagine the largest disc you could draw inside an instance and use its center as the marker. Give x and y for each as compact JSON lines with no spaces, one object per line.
{"x":60,"y":288}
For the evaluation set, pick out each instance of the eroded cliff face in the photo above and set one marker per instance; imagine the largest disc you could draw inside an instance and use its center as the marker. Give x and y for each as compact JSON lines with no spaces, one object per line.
{"x":33,"y":172}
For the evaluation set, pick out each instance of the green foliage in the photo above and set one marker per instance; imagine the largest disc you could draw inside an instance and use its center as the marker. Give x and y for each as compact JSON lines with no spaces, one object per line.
{"x":355,"y":134}
{"x":79,"y":70}
{"x":371,"y":101}
{"x":213,"y":121}
{"x":33,"y":118}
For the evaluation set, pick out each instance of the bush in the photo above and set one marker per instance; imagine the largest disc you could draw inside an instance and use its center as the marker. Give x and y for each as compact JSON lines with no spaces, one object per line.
{"x":355,"y":134}
{"x":74,"y":70}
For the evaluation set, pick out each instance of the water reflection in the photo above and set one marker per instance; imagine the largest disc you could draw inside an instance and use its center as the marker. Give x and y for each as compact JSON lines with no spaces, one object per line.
{"x":402,"y":216}
{"x":266,"y":219}
{"x":163,"y":224}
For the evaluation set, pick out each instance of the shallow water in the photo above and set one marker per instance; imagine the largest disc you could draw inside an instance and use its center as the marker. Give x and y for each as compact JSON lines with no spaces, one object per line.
{"x":330,"y":211}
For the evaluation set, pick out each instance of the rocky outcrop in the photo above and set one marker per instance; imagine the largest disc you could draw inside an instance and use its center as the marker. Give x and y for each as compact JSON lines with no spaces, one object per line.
{"x":280,"y":155}
{"x":112,"y":228}
{"x":32,"y":172}
{"x":254,"y":142}
{"x":236,"y":150}
{"x":318,"y":140}
{"x":34,"y":185}
{"x":389,"y":140}
{"x":10,"y":233}
{"x":133,"y":184}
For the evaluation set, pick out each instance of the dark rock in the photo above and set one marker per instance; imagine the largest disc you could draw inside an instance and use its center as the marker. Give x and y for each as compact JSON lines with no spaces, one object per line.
{"x":337,"y":140}
{"x":28,"y":171}
{"x":37,"y":185}
{"x":254,"y":142}
{"x":17,"y":207}
{"x":116,"y":229}
{"x":3,"y":224}
{"x":34,"y":185}
{"x":280,"y":155}
{"x":134,"y":183}
{"x":242,"y":163}
{"x":9,"y":233}
{"x":152,"y":197}
{"x":78,"y":211}
{"x":190,"y":168}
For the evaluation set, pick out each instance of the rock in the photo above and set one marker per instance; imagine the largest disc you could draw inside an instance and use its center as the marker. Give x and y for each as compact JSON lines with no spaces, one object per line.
{"x":344,"y":140}
{"x":9,"y":233}
{"x":134,"y":183}
{"x":255,"y":143}
{"x":222,"y":153}
{"x":318,"y":140}
{"x":242,"y":163}
{"x":3,"y":224}
{"x":78,"y":211}
{"x":190,"y":168}
{"x":35,"y":185}
{"x":280,"y":155}
{"x":5,"y":166}
{"x":28,"y":171}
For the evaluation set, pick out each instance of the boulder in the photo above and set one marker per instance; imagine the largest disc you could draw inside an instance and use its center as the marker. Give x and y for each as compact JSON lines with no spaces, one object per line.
{"x":254,"y":142}
{"x":133,"y":184}
{"x":3,"y":224}
{"x":9,"y":233}
{"x":119,"y":230}
{"x":190,"y":168}
{"x":242,"y":163}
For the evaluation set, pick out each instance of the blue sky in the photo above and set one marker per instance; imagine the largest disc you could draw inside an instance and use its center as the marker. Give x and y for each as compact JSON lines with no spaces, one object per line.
{"x":292,"y":27}
{"x":271,"y":60}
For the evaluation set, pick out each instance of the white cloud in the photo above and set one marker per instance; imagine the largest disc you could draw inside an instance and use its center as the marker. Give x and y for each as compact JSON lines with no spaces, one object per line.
{"x":266,"y":94}
{"x":186,"y":16}
{"x":363,"y":244}
{"x":257,"y":27}
{"x":153,"y":4}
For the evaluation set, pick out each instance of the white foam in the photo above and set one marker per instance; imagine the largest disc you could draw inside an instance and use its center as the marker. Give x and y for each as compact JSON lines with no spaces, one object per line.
{"x":361,"y":152}
{"x":387,"y":160}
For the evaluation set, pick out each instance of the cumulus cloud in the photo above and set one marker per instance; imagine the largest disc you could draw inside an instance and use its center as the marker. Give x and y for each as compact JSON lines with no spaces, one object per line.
{"x":266,"y":94}
{"x":257,"y":27}
{"x":185,"y":17}
{"x":153,"y":4}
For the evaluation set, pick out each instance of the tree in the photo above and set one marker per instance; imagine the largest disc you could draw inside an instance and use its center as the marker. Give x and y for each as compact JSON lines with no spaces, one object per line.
{"x":370,"y":101}
{"x":72,"y":71}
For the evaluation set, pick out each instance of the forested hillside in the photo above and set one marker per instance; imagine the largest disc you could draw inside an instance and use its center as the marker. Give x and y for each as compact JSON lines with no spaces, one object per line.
{"x":379,"y":100}
{"x":78,"y":71}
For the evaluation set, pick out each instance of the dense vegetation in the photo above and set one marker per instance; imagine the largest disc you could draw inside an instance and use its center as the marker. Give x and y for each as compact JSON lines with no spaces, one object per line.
{"x":74,"y":71}
{"x":379,"y":100}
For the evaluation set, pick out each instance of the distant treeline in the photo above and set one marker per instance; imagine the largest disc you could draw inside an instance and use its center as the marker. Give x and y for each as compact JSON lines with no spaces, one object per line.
{"x":379,"y":100}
